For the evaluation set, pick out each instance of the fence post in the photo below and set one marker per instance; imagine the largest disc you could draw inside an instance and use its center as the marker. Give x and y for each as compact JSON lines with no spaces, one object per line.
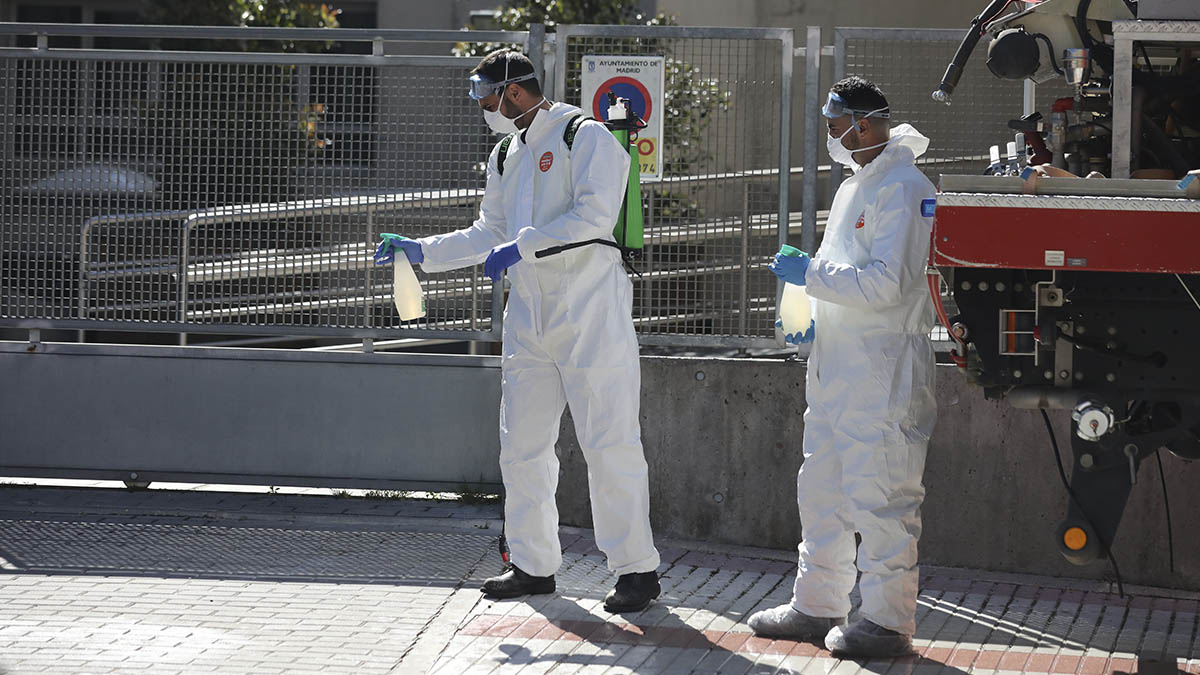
{"x":787,"y":49}
{"x":787,"y":44}
{"x":812,"y":130}
{"x":839,"y":71}
{"x":562,"y":35}
{"x":534,"y":44}
{"x":744,"y":281}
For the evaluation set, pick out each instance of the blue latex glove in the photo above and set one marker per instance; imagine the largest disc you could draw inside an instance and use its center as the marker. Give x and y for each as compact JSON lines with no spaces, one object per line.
{"x":795,"y":339}
{"x":386,"y":252}
{"x":501,"y":258}
{"x":790,"y":268}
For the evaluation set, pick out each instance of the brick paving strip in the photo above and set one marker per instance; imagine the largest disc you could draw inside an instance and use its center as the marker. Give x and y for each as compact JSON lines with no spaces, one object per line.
{"x":106,"y":581}
{"x":982,"y":631}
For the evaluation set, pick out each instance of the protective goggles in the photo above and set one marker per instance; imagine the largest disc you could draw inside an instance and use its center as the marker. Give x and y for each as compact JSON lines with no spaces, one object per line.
{"x":835,"y":107}
{"x":482,"y":88}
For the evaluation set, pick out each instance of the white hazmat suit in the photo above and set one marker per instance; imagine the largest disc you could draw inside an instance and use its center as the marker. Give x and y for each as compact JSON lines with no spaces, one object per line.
{"x":568,"y":339}
{"x":871,"y":407}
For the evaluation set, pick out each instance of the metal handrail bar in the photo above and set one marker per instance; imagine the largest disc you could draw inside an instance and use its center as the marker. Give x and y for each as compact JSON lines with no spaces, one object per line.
{"x":762,"y":174}
{"x":282,"y":262}
{"x":193,"y":218}
{"x":238,"y":58}
{"x":260,"y":33}
{"x":284,"y":330}
{"x":679,"y":32}
{"x":308,"y":207}
{"x":378,"y":292}
{"x":331,"y":206}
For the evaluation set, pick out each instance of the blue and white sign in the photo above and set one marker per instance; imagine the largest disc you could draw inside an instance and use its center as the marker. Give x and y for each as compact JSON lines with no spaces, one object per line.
{"x":639,"y":79}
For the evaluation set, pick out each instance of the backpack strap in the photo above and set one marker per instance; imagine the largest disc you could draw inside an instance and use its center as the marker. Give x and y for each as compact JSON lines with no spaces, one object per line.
{"x":569,"y":133}
{"x":572,"y":128}
{"x":504,"y":144}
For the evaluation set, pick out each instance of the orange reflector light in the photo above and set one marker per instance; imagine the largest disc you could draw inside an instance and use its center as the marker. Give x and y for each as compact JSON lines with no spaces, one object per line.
{"x":1075,"y":538}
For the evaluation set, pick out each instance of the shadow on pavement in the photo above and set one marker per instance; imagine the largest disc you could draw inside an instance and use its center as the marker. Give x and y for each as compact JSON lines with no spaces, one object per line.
{"x":674,"y":642}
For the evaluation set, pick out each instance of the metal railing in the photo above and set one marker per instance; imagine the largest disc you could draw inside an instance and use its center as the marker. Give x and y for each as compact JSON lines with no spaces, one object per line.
{"x":150,"y":181}
{"x":173,"y":309}
{"x":239,"y":192}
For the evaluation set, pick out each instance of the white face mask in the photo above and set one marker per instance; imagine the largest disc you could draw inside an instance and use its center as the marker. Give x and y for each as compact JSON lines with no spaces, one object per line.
{"x":503,"y":125}
{"x":843,"y":155}
{"x":499,"y":123}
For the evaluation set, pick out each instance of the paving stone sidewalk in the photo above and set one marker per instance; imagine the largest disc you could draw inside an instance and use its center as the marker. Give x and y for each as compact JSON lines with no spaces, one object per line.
{"x":110,"y":581}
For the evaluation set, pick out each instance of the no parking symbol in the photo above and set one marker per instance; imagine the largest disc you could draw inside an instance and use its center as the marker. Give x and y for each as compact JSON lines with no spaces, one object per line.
{"x":639,"y":79}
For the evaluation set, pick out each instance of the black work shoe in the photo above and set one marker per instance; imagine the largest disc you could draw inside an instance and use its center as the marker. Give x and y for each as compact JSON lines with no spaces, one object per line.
{"x":633,"y":592}
{"x":514,"y":583}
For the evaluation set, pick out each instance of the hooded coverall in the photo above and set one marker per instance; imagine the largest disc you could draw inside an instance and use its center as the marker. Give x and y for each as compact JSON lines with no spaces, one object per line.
{"x":871,"y":407}
{"x":568,"y":338}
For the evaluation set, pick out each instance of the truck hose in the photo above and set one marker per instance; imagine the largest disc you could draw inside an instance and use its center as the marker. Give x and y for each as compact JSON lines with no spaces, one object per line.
{"x":955,"y":70}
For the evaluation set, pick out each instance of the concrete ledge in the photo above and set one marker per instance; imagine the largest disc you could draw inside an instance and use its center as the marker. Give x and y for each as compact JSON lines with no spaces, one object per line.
{"x":723,"y":437}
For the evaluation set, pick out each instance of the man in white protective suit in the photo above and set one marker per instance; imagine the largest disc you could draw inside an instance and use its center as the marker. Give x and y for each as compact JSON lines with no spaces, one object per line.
{"x":568,"y":329}
{"x":871,"y":406}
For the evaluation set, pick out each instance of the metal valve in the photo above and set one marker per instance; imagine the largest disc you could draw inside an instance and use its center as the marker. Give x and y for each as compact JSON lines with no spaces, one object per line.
{"x":1092,"y":420}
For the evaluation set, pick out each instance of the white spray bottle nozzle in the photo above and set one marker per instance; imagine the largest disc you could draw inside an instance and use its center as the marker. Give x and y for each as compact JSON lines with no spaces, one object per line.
{"x":617,"y":110}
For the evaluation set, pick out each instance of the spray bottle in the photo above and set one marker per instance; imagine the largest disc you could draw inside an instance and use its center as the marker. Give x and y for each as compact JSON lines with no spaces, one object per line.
{"x":795,"y":311}
{"x":406,"y":289}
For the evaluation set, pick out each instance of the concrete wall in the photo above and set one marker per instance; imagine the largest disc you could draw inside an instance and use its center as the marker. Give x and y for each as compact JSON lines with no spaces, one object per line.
{"x":800,"y":13}
{"x":722,"y":436}
{"x":723,"y":441}
{"x":440,"y":15}
{"x":252,"y":416}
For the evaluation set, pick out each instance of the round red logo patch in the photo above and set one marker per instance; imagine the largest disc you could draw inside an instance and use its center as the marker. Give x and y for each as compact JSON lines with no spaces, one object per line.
{"x":546,"y":162}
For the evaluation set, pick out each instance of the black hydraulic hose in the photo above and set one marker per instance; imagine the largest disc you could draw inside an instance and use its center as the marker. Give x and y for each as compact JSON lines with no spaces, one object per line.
{"x":1062,"y":473}
{"x":955,"y":70}
{"x":1157,"y":359}
{"x":1162,"y":478}
{"x":1081,"y":11}
{"x":1102,"y":54}
{"x":1050,"y":50}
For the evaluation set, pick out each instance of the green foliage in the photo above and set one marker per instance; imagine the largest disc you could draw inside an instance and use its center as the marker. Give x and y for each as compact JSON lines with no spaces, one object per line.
{"x":519,"y":14}
{"x":244,"y":13}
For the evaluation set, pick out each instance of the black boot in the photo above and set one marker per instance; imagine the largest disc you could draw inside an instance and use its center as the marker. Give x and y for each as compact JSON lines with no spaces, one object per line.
{"x":514,"y":583}
{"x":633,"y":592}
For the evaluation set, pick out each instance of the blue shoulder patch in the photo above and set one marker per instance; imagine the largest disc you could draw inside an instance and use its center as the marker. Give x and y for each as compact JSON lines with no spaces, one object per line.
{"x":928,"y":206}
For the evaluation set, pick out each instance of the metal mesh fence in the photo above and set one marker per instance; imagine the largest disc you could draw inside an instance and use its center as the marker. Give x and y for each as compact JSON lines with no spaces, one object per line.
{"x":233,"y":196}
{"x":908,"y":65}
{"x":712,"y":223}
{"x":226,"y":194}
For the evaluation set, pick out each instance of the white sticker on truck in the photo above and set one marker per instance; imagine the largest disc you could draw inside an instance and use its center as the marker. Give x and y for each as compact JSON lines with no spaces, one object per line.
{"x":1056,"y":258}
